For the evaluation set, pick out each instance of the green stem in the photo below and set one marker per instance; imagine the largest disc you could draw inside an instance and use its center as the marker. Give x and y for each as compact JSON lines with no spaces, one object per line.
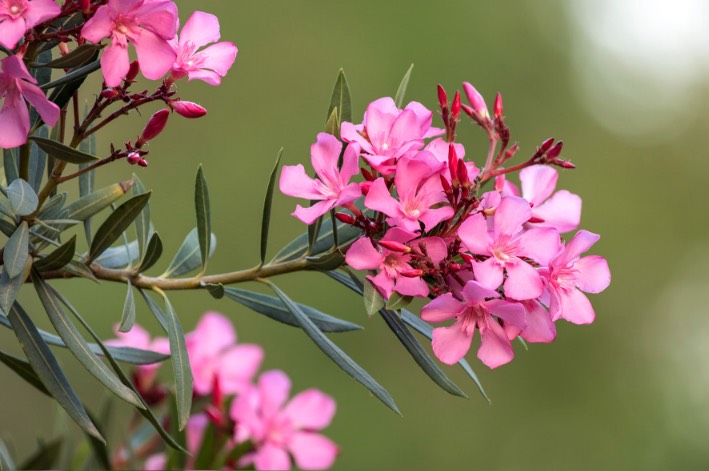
{"x":25,"y":162}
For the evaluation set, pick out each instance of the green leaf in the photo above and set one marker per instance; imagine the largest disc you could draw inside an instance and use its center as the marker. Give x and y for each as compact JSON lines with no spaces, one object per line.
{"x":130,"y":355}
{"x":52,"y":207}
{"x":75,"y":58}
{"x":324,"y":242}
{"x":77,"y":345}
{"x":24,"y":370}
{"x":142,"y":222}
{"x":180,"y":366}
{"x":9,"y":287}
{"x":128,"y":317}
{"x":110,"y":355}
{"x":373,"y":300}
{"x":58,"y":258}
{"x":266,"y":217}
{"x":313,"y":232}
{"x":23,"y":199}
{"x":204,"y":224}
{"x":48,"y":370}
{"x":116,"y":223}
{"x":120,"y":256}
{"x":86,"y":180}
{"x":156,"y":310}
{"x":188,"y":256}
{"x":341,"y":99}
{"x":423,"y":359}
{"x":62,"y":152}
{"x":74,"y":75}
{"x":88,"y":205}
{"x":17,"y":250}
{"x":12,"y":169}
{"x":6,"y":462}
{"x":152,"y":253}
{"x":334,"y":352}
{"x":332,"y":125}
{"x":401,"y":91}
{"x":80,"y":269}
{"x":38,"y":160}
{"x":275,"y":309}
{"x":397,"y":301}
{"x":215,"y":289}
{"x":326,"y":262}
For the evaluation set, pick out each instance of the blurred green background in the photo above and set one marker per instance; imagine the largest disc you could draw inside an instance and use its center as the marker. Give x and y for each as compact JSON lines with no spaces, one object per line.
{"x":623,"y":83}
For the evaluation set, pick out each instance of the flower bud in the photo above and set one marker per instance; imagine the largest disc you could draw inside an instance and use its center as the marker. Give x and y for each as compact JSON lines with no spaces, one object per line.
{"x":85,"y":6}
{"x":188,"y":109}
{"x":155,"y":125}
{"x":555,"y":151}
{"x":566,"y":164}
{"x":546,"y":145}
{"x":455,"y":107}
{"x":497,"y":107}
{"x":109,"y":93}
{"x":467,"y":257}
{"x":394,"y":246}
{"x":346,"y":218}
{"x":442,"y":97}
{"x":411,"y":273}
{"x":367,"y":175}
{"x":143,"y":163}
{"x":133,"y":158}
{"x":476,"y":100}
{"x":132,"y":71}
{"x":452,"y":162}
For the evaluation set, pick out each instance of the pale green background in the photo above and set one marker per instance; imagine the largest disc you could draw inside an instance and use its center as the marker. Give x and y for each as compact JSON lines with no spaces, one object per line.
{"x":628,"y":392}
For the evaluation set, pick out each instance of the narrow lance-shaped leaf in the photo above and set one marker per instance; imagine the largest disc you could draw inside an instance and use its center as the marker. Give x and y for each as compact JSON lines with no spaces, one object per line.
{"x":116,"y":224}
{"x":48,"y":369}
{"x":38,"y":161}
{"x":156,"y":310}
{"x":401,"y":91}
{"x":24,"y":370}
{"x":12,"y":170}
{"x":23,"y":199}
{"x":109,"y":354}
{"x":120,"y":256}
{"x":62,"y":152}
{"x":74,"y":58}
{"x":332,"y":125}
{"x":180,"y":366}
{"x":373,"y":300}
{"x":130,"y":355}
{"x":341,"y":99}
{"x":142,"y":222}
{"x":86,"y":180}
{"x":204,"y":224}
{"x":9,"y":287}
{"x":152,"y":253}
{"x":16,"y":251}
{"x":334,"y":352}
{"x":77,"y":345}
{"x":128,"y":317}
{"x":74,"y":75}
{"x":274,"y":308}
{"x":266,"y":217}
{"x":88,"y":205}
{"x":188,"y":256}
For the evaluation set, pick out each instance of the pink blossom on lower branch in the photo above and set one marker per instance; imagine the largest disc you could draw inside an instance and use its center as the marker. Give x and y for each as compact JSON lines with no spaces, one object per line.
{"x":16,"y":86}
{"x":278,"y":429}
{"x":18,"y":16}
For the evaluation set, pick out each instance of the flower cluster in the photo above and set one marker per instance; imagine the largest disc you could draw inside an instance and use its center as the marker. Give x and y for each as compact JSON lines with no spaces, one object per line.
{"x":492,"y":261}
{"x":253,"y":419}
{"x":150,"y":26}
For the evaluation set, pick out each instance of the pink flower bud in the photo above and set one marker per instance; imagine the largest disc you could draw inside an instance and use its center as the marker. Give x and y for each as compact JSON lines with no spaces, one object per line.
{"x":467,"y":257}
{"x":143,"y":163}
{"x":452,"y":162}
{"x":411,"y":273}
{"x":365,"y":186}
{"x":476,"y":100}
{"x":155,"y":125}
{"x":188,"y":109}
{"x":133,"y":158}
{"x":566,"y":164}
{"x":109,"y":93}
{"x":442,"y":97}
{"x":455,"y":107}
{"x":394,"y":246}
{"x":497,"y":107}
{"x":346,"y":218}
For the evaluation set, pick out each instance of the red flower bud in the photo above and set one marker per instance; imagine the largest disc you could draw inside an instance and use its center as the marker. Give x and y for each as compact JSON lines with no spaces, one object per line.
{"x":143,"y":163}
{"x":497,"y":108}
{"x":555,"y":151}
{"x":546,"y":145}
{"x":155,"y":125}
{"x":132,"y":71}
{"x":85,"y":6}
{"x":346,"y":218}
{"x":467,"y":257}
{"x":452,"y":162}
{"x":476,"y":100}
{"x":133,"y":158}
{"x":109,"y":93}
{"x":535,"y":219}
{"x":411,"y":273}
{"x":442,"y":97}
{"x":188,"y":109}
{"x":365,"y":186}
{"x":566,"y":164}
{"x":455,"y":107}
{"x":367,"y":175}
{"x":394,"y":246}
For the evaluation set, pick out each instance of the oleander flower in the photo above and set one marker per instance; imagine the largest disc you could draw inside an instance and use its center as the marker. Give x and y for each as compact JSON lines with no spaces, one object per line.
{"x":18,"y":16}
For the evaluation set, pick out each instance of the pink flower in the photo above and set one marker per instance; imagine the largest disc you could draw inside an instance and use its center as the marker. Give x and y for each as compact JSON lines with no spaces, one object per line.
{"x":332,"y":187}
{"x":505,"y":247}
{"x":210,"y":64}
{"x":277,"y":429}
{"x":363,"y":256}
{"x":215,"y":356}
{"x":439,"y":148}
{"x":194,"y":433}
{"x":388,"y":133}
{"x":16,"y":86}
{"x":148,"y":24}
{"x":419,"y":189}
{"x":476,"y":311}
{"x":18,"y":16}
{"x":139,"y":338}
{"x":568,"y":274}
{"x":562,"y":210}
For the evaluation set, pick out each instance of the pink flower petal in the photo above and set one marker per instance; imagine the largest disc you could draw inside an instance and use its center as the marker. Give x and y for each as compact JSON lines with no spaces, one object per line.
{"x":489,"y":273}
{"x":540,"y":327}
{"x":271,"y":457}
{"x":411,"y":286}
{"x":495,"y":348}
{"x":11,"y":31}
{"x":538,"y":183}
{"x":207,"y":76}
{"x":593,"y":274}
{"x":433,"y":216}
{"x":475,"y":236}
{"x":540,"y":244}
{"x":575,"y":307}
{"x":523,"y":281}
{"x":580,"y":243}
{"x":363,"y":256}
{"x":159,"y":17}
{"x":115,"y":63}
{"x":310,"y":409}
{"x":562,"y":211}
{"x":219,"y":57}
{"x":237,"y":366}
{"x":442,"y":308}
{"x":476,"y":292}
{"x":379,"y":199}
{"x":310,"y":214}
{"x":325,"y":153}
{"x":274,"y":386}
{"x":98,"y":26}
{"x":511,"y":213}
{"x":14,"y":121}
{"x":46,"y":109}
{"x":312,"y":451}
{"x":511,"y":313}
{"x":200,"y":29}
{"x":295,"y":182}
{"x":155,"y":55}
{"x":39,"y":11}
{"x":450,"y":344}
